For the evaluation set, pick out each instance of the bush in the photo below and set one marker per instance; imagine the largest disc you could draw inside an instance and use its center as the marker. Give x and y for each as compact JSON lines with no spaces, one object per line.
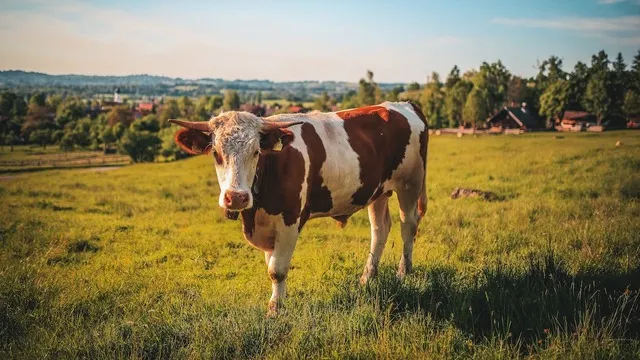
{"x":141,"y":146}
{"x":169,"y":149}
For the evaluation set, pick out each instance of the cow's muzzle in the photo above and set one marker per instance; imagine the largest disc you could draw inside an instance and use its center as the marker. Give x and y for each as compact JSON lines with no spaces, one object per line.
{"x":236,"y":200}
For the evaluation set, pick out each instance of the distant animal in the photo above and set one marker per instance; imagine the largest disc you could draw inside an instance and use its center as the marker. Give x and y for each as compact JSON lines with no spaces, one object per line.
{"x":462,"y":192}
{"x":283,"y":170}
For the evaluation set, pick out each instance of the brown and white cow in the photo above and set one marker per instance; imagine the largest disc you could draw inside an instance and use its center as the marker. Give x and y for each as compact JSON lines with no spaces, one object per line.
{"x":283,"y":170}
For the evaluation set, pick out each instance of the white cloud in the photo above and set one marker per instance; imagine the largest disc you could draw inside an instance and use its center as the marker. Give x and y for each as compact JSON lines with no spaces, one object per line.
{"x":622,"y":23}
{"x":622,"y":30}
{"x":611,"y":2}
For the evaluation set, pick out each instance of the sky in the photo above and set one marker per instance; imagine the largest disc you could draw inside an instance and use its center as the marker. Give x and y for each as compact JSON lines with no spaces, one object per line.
{"x":400,"y":41}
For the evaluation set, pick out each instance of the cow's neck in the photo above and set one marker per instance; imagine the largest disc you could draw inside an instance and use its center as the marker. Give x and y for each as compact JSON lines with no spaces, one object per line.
{"x":264,"y":170}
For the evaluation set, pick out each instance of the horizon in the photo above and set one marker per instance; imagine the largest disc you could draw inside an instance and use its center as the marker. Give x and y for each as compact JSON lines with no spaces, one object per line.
{"x":244,"y":41}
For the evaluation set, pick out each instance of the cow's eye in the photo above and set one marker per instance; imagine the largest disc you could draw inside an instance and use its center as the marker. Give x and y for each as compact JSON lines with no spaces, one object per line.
{"x":256,"y":153}
{"x":218,"y":158}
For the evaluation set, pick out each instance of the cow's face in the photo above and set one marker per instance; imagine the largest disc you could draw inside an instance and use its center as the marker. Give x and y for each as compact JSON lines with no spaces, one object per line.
{"x":235,"y":140}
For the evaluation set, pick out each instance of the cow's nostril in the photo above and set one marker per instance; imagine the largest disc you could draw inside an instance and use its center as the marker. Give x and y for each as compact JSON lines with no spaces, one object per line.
{"x":227,"y":198}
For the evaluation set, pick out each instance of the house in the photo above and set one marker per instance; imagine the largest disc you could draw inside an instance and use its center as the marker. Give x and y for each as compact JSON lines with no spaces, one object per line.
{"x":515,"y":118}
{"x":145,"y":107}
{"x":573,"y":120}
{"x":633,"y":121}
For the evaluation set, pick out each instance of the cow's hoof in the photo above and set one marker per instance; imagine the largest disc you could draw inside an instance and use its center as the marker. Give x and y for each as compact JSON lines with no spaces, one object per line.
{"x":273,"y":309}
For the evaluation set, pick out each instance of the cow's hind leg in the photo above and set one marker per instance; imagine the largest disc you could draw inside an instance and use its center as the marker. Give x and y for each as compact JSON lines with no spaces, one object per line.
{"x":380,"y":221}
{"x":409,"y":218}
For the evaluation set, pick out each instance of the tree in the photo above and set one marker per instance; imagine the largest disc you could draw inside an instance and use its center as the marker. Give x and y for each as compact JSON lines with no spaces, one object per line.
{"x":170,"y":110}
{"x":549,"y":72}
{"x":634,"y":83}
{"x":81,"y":133}
{"x":555,"y":99}
{"x":578,"y":80}
{"x":69,"y":110}
{"x":322,"y":102}
{"x":455,"y":100}
{"x":493,"y":81}
{"x":41,"y":137}
{"x":169,"y":149}
{"x":38,"y":98}
{"x":202,"y":112}
{"x":120,"y":114}
{"x":67,"y":143}
{"x":597,"y":99}
{"x":186,"y":107}
{"x":368,"y":91}
{"x":215,"y":103}
{"x":433,"y":101}
{"x":141,"y":146}
{"x":631,"y":104}
{"x":231,"y":100}
{"x":475,"y":108}
{"x":618,"y":84}
{"x":108,"y":137}
{"x":414,"y":86}
{"x":453,"y":78}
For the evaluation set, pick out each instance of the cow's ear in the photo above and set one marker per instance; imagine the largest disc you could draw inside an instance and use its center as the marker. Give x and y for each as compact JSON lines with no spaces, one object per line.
{"x":275,"y":139}
{"x":193,"y":142}
{"x":275,"y":135}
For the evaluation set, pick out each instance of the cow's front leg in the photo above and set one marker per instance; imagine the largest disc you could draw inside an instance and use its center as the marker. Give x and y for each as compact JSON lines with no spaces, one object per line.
{"x":278,"y":264}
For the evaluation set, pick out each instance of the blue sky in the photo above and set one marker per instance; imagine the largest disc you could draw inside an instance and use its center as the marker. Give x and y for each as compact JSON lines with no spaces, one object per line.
{"x":399,"y":41}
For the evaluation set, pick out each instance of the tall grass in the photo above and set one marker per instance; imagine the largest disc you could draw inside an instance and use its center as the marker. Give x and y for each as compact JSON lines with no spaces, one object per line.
{"x":140,"y":263}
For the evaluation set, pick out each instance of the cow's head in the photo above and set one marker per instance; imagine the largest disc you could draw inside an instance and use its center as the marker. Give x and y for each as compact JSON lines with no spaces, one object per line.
{"x":236,"y":140}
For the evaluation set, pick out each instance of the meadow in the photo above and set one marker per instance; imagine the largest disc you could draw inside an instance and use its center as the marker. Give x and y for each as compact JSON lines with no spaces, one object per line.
{"x":139,"y":262}
{"x":35,"y":158}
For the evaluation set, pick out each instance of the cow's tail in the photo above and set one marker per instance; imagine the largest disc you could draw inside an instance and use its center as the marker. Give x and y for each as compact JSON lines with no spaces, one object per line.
{"x":424,"y":141}
{"x":422,"y":200}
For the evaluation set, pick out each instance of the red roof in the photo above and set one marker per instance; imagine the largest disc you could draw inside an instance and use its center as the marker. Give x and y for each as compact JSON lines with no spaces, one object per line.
{"x":577,"y":115}
{"x":145,"y":106}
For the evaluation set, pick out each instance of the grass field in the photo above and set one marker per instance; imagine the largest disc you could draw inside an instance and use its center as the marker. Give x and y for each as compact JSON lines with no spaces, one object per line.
{"x":140,"y":263}
{"x":29,"y":158}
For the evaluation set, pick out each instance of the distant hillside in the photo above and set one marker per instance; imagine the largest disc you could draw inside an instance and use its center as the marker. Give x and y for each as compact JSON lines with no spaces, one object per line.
{"x":9,"y":78}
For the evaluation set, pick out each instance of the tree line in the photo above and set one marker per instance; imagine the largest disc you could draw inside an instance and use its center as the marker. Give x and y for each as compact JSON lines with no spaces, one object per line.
{"x":605,"y":88}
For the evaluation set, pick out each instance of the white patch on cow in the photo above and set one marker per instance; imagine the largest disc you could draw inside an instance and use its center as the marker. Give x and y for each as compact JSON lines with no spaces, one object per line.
{"x":412,"y":159}
{"x":237,"y":135}
{"x":301,"y":146}
{"x":341,"y":170}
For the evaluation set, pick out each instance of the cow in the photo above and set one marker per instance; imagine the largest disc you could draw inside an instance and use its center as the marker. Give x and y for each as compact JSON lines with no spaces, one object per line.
{"x":281,"y":171}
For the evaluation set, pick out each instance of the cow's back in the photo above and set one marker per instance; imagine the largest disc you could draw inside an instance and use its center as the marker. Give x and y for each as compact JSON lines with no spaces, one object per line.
{"x":353,"y":156}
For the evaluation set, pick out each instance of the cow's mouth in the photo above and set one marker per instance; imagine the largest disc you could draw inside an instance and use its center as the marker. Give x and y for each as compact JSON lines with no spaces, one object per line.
{"x":231,"y":214}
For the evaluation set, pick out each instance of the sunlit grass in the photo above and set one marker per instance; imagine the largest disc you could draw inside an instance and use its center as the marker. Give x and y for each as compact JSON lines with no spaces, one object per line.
{"x":140,"y":262}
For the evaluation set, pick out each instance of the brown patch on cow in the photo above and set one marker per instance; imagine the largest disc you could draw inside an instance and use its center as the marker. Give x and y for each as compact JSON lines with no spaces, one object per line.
{"x":280,"y":184}
{"x":264,"y":238}
{"x":318,"y":195}
{"x":269,"y":139}
{"x":193,"y":142}
{"x":380,"y":137}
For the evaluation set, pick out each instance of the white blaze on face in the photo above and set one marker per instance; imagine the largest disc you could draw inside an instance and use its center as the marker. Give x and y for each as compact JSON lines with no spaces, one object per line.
{"x":236,"y":144}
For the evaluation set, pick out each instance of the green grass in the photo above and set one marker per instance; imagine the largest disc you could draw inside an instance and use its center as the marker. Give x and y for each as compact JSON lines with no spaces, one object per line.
{"x":140,"y":263}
